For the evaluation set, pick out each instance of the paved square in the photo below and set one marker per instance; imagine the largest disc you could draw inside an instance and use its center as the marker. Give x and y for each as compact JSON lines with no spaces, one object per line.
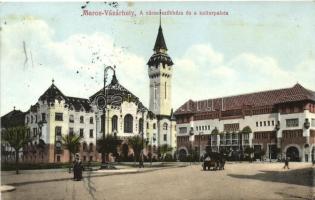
{"x":237,"y":181}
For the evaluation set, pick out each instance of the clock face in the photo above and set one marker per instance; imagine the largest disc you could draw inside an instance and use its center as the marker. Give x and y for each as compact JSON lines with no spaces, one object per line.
{"x":100,"y":102}
{"x":58,"y":144}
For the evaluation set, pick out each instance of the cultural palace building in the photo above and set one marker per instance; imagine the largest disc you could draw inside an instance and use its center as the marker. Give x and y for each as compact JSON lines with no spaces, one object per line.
{"x":279,"y":122}
{"x":56,"y":114}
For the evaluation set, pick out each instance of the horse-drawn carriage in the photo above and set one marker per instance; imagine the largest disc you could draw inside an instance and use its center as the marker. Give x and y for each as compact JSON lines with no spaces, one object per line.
{"x":214,"y":161}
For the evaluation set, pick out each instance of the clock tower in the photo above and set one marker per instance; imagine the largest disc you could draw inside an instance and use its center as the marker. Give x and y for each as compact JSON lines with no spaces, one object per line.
{"x":160,"y":74}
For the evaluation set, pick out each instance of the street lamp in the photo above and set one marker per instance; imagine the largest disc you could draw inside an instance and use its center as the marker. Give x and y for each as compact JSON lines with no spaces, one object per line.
{"x":142,"y":110}
{"x":191,"y":139}
{"x":101,"y":102}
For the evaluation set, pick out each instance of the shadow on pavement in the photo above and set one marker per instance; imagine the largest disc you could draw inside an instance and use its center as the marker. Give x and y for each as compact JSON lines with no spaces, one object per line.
{"x":304,"y":177}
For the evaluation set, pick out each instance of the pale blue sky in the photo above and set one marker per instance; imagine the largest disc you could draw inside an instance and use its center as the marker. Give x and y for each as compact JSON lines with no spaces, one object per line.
{"x":258,"y":46}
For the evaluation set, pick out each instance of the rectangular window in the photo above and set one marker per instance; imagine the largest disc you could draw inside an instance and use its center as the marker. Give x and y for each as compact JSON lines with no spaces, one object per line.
{"x":91,"y":133}
{"x":91,"y":158}
{"x":292,"y":122}
{"x":81,"y":132}
{"x":256,"y":124}
{"x":91,"y":120}
{"x":58,"y":158}
{"x":58,"y":130}
{"x":183,"y":130}
{"x":43,"y":117}
{"x":265,"y":123}
{"x":71,"y":119}
{"x":232,"y":127}
{"x":260,"y":123}
{"x":268,"y":123}
{"x":208,"y":127}
{"x":165,"y":137}
{"x":71,"y":131}
{"x":58,"y":116}
{"x":273,"y":123}
{"x":34,"y":132}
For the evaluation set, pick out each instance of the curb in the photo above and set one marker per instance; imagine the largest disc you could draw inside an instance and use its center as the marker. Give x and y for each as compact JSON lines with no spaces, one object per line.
{"x":90,"y":175}
{"x":6,"y":188}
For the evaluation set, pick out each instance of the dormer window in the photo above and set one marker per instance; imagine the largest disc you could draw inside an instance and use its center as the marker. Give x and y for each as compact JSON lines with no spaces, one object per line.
{"x":81,"y":119}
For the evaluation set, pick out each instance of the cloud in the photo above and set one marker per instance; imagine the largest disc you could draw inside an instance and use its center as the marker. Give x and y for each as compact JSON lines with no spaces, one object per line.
{"x":212,"y":76}
{"x":77,"y":63}
{"x":32,"y":56}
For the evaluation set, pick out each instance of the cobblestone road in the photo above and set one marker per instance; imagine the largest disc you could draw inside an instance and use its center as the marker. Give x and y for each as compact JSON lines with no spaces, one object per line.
{"x":237,"y":181}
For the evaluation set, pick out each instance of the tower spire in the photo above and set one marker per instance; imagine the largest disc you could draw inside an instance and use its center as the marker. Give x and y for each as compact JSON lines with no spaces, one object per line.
{"x":160,"y":17}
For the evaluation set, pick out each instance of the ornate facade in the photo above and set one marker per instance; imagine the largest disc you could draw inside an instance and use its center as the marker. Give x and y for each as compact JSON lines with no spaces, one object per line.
{"x":279,"y":122}
{"x":56,"y":114}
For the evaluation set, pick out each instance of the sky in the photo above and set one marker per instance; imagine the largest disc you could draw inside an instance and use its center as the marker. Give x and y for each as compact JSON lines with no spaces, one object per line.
{"x":257,"y":46}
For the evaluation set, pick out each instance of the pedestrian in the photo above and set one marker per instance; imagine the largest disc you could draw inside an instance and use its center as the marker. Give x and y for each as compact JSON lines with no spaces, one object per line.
{"x":77,"y":168}
{"x":286,"y":163}
{"x":141,"y":165}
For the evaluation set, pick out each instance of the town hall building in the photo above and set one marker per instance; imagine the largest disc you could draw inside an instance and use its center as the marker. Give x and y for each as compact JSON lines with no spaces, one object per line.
{"x":56,"y":114}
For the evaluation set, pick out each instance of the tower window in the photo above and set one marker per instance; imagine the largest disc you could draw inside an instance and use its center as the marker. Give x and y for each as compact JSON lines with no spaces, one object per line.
{"x":165,"y":126}
{"x":165,"y":89}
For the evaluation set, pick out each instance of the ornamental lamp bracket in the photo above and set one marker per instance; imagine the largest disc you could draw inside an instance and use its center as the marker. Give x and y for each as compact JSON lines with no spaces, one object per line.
{"x":307,"y":124}
{"x":277,"y":127}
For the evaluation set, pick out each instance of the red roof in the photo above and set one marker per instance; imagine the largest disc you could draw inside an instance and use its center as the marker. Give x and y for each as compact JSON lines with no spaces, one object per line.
{"x":257,"y":99}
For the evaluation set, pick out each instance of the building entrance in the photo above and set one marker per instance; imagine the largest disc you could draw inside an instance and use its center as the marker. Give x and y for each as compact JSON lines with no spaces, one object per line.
{"x":293,"y":153}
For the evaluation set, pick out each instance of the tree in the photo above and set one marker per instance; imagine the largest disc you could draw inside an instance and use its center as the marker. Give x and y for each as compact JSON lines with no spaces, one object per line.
{"x":136,"y":143}
{"x":249,"y":151}
{"x":165,"y":148}
{"x":72,"y":143}
{"x":16,"y":137}
{"x":246,"y":130}
{"x":106,"y":145}
{"x":215,"y":131}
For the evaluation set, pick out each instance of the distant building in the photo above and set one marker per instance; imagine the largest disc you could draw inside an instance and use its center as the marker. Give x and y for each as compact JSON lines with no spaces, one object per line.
{"x":282,"y":123}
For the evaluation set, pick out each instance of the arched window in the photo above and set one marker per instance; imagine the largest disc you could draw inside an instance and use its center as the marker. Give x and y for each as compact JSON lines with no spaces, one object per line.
{"x":140,"y":125}
{"x":114,"y":123}
{"x":91,"y":147}
{"x":128,"y":124}
{"x":165,"y":126}
{"x":84,"y":146}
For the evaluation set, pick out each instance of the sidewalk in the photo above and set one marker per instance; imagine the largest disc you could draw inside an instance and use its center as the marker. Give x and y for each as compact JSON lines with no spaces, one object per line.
{"x":41,"y":176}
{"x":6,"y":188}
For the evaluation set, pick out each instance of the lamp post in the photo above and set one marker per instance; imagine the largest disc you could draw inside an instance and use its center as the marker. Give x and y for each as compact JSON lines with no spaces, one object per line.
{"x":101,"y":102}
{"x":191,"y":139}
{"x":142,"y":110}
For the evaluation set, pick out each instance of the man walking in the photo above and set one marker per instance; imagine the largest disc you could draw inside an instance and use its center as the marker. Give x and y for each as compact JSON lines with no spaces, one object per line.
{"x":286,"y":163}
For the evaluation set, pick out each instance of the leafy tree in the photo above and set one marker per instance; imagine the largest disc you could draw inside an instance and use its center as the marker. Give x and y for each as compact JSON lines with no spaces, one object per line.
{"x":72,"y":143}
{"x":246,"y":130}
{"x":136,"y":143}
{"x":125,"y":151}
{"x":107,"y":145}
{"x":165,"y":148}
{"x":16,"y":137}
{"x":215,"y":131}
{"x":249,"y":151}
